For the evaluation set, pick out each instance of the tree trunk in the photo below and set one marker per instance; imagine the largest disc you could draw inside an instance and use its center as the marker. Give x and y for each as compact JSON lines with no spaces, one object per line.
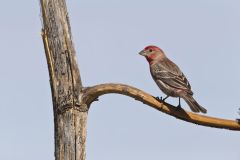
{"x":70,"y":115}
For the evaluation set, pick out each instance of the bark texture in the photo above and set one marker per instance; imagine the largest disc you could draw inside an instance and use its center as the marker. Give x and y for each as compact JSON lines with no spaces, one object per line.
{"x":70,"y":114}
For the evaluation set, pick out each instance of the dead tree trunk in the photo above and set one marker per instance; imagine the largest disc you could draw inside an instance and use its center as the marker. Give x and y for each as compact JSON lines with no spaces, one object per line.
{"x":71,"y":101}
{"x":70,"y":114}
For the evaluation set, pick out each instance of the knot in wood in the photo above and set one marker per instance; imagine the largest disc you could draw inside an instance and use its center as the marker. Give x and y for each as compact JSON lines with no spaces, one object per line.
{"x":83,"y":108}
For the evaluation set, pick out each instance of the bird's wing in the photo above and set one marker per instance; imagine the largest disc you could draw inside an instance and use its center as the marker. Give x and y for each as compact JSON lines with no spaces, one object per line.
{"x":169,"y":73}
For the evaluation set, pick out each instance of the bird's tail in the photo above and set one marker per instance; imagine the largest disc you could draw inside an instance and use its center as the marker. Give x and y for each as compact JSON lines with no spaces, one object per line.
{"x":195,"y":107}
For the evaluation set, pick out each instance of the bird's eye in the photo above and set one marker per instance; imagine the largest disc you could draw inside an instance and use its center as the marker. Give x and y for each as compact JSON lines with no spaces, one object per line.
{"x":150,"y":50}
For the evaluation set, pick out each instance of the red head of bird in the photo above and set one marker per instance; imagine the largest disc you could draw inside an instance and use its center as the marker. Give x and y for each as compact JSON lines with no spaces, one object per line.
{"x":152,"y":53}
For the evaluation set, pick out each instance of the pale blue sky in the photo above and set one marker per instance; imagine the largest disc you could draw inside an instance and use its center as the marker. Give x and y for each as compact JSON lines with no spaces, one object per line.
{"x":202,"y":37}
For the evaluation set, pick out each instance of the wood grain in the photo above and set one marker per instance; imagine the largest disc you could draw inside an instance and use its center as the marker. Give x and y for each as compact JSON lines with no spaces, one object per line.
{"x":70,"y":115}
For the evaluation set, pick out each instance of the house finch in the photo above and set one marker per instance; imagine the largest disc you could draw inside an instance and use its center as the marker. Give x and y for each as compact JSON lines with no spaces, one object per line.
{"x":169,"y":77}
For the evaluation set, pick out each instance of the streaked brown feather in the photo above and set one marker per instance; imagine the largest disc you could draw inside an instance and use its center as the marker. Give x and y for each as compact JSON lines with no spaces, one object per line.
{"x":169,"y":73}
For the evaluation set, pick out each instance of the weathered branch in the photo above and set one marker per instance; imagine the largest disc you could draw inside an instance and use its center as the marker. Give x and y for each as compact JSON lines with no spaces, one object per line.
{"x":92,"y":93}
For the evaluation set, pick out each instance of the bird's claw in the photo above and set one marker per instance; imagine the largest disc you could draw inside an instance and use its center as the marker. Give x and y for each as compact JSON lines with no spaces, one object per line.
{"x":178,"y":108}
{"x":159,"y":99}
{"x":162,"y":99}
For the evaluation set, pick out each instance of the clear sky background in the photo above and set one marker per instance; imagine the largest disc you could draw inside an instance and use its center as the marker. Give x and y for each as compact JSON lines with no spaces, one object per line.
{"x":202,"y":37}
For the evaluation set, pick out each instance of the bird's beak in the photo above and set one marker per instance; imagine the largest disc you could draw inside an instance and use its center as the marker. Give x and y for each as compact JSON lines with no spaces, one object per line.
{"x":142,"y":53}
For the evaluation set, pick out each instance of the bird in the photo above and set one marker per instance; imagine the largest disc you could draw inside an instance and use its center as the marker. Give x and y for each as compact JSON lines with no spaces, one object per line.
{"x":169,"y":78}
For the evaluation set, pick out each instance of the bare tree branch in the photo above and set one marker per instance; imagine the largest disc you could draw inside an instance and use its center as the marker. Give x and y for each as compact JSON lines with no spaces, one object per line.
{"x":92,"y":93}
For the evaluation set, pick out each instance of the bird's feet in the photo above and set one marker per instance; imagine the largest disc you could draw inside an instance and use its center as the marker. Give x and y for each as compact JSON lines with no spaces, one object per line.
{"x":161,"y":100}
{"x":178,"y":107}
